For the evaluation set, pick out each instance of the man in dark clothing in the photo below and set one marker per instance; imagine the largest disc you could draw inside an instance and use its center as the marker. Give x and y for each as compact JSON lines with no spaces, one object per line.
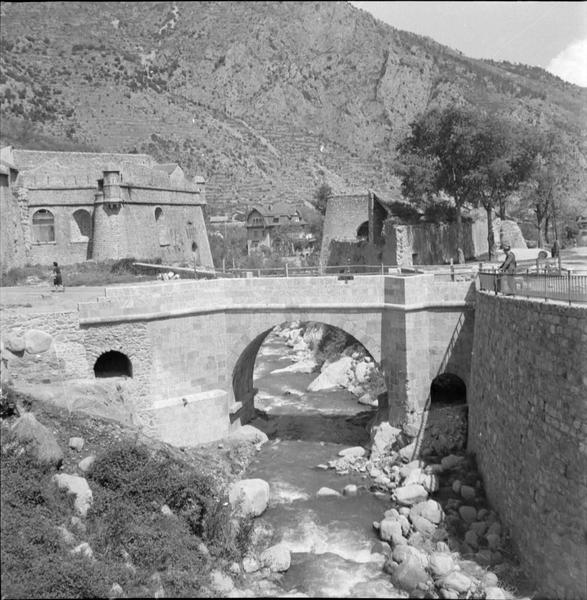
{"x":508,"y":268}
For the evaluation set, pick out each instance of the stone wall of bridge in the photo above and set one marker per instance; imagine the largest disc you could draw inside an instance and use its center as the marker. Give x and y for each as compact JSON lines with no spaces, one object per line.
{"x":193,"y":344}
{"x":528,"y":428}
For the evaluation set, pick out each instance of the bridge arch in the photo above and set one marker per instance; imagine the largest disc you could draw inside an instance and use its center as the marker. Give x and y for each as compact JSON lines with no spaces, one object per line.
{"x":244,"y":364}
{"x":113,"y":364}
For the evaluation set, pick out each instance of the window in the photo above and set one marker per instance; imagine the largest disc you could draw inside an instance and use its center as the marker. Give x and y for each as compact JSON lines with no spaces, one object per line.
{"x":162,"y":229}
{"x":43,"y":226}
{"x":82,"y":226}
{"x":113,"y":364}
{"x":158,"y":213}
{"x":276,"y":219}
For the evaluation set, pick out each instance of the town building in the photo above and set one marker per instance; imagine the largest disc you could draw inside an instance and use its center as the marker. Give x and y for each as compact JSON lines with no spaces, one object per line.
{"x":76,"y":206}
{"x":277,"y":226}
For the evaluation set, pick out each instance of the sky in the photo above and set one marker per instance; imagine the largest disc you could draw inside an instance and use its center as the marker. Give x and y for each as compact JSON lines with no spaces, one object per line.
{"x":551,"y":35}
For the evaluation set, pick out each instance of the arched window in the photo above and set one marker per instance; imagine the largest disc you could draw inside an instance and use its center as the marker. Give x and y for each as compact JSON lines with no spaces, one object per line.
{"x":162,"y":229}
{"x":82,"y":226}
{"x":363,"y":231}
{"x":43,"y":226}
{"x":113,"y":364}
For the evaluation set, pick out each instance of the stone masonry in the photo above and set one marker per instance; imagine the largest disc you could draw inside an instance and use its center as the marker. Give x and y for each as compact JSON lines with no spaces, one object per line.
{"x":528,"y":428}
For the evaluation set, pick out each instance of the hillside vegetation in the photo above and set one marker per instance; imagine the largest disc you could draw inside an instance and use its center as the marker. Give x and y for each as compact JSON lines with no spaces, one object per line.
{"x":267,"y":100}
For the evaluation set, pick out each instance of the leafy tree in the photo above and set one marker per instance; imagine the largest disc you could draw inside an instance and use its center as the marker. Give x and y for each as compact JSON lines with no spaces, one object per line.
{"x":504,"y":162}
{"x":439,"y":155}
{"x":321,"y":197}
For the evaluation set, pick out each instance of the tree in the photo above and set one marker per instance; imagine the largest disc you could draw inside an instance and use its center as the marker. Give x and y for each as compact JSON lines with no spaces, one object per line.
{"x":503,"y":164}
{"x":321,"y":197}
{"x":547,"y":189}
{"x":438,"y":156}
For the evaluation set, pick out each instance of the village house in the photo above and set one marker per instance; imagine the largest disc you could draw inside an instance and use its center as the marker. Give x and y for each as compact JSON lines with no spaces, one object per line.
{"x":277,"y":226}
{"x":75,"y":206}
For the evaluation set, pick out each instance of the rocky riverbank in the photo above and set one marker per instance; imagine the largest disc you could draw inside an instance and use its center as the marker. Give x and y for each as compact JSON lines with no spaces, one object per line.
{"x":338,"y":360}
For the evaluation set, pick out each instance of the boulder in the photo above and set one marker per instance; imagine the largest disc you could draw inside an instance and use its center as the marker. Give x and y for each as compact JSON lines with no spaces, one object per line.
{"x":400,"y":553}
{"x":471,"y":539}
{"x":350,"y":490}
{"x":456,"y":486}
{"x":277,"y":558}
{"x":479,"y":527}
{"x":249,"y":496}
{"x":467,"y":492}
{"x":410,"y":494}
{"x":221,"y":582}
{"x":76,"y":443}
{"x":354,"y":452}
{"x":430,"y":510}
{"x":407,"y":452}
{"x":368,"y":399}
{"x":78,"y":487}
{"x":65,"y":535}
{"x":493,"y":541}
{"x":85,"y":464}
{"x":248,"y":433}
{"x":495,"y":593}
{"x":84,"y":549}
{"x":326,"y":491}
{"x":409,"y":574}
{"x":468,"y":513}
{"x":423,"y":525}
{"x":456,"y":581}
{"x":37,"y":342}
{"x":15,"y":343}
{"x":440,"y":564}
{"x":390,"y":530}
{"x":410,"y":467}
{"x":250,"y":564}
{"x":451,"y":461}
{"x":40,"y":441}
{"x":336,"y":374}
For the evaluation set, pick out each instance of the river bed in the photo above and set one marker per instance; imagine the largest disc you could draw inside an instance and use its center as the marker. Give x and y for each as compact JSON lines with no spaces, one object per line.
{"x":331,"y":538}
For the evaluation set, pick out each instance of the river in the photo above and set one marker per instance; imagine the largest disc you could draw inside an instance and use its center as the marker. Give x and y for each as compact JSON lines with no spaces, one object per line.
{"x":331,"y":538}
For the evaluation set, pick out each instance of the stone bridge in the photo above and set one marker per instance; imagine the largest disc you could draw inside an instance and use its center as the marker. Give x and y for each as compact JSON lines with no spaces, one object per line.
{"x":190,"y":346}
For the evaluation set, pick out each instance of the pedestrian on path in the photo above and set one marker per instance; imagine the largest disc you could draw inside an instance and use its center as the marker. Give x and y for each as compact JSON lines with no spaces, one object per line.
{"x":57,"y":279}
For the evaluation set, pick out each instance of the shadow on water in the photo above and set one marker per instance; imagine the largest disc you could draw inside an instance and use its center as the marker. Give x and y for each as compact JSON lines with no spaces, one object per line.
{"x":318,"y":427}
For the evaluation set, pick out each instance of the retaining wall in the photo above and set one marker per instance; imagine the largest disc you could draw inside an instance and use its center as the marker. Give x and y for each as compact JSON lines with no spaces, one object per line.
{"x":528,"y":428}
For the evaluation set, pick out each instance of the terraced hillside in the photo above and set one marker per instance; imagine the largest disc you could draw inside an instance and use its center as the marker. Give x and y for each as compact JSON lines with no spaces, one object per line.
{"x":267,"y":100}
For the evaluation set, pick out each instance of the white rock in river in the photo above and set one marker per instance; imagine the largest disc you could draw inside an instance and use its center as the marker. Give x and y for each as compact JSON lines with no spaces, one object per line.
{"x":354,"y":452}
{"x":250,"y":496}
{"x":495,"y":593}
{"x":440,"y":563}
{"x":336,"y":374}
{"x":410,"y":494}
{"x":277,"y":558}
{"x":390,"y":530}
{"x":326,"y":491}
{"x":457,"y":581}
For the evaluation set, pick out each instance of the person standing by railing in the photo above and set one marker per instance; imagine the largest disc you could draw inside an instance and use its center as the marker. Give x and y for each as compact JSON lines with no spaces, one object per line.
{"x":507,"y":269}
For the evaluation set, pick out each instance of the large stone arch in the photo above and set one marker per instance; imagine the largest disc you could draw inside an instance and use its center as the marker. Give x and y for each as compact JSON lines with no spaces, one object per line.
{"x":242,"y":347}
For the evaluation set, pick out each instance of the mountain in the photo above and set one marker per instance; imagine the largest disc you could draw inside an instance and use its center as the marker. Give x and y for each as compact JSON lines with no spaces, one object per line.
{"x":267,"y":100}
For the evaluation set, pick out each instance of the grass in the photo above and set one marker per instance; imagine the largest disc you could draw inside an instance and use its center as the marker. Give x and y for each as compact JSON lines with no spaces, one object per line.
{"x":82,"y":274}
{"x":134,"y":543}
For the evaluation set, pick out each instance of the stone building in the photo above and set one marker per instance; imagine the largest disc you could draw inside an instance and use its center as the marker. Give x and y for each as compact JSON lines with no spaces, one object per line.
{"x":263,"y":223}
{"x":75,"y":206}
{"x":366,"y":225}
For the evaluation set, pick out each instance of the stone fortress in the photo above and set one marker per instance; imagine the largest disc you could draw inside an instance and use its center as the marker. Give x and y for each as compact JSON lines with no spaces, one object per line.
{"x":363,"y":226}
{"x":75,"y":206}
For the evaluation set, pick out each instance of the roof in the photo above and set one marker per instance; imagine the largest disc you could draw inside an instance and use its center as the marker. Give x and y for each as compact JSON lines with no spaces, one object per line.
{"x":275,"y":210}
{"x":167,"y":167}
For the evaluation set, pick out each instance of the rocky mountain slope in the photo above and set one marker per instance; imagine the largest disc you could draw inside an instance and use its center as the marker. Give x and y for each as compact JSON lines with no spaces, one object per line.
{"x":267,"y":100}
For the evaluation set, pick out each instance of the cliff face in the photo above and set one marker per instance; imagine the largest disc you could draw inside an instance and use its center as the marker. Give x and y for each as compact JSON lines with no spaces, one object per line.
{"x":265,"y":99}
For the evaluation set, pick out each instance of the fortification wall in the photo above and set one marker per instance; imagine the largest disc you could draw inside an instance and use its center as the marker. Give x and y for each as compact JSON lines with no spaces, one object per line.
{"x":12,"y":252}
{"x":528,"y":428}
{"x":343,"y":217}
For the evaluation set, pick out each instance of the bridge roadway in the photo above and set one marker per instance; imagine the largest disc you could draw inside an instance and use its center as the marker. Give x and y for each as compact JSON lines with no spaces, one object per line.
{"x":192,"y":344}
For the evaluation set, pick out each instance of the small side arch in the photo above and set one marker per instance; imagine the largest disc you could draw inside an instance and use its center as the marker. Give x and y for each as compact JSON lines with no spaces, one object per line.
{"x":447,"y":388}
{"x":113,"y":364}
{"x":363,"y":231}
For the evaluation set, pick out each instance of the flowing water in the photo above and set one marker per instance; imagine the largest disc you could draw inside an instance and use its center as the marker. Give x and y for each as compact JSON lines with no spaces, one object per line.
{"x":331,"y":538}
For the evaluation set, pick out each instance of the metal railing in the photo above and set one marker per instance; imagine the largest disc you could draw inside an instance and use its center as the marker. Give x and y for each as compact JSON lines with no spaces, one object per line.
{"x":561,"y":285}
{"x":290,"y":271}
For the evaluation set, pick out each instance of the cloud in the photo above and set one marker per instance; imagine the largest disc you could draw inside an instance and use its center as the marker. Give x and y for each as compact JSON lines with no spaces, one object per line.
{"x":571,"y":63}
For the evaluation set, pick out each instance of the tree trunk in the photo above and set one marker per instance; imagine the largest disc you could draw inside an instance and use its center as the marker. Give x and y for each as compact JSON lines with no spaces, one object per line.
{"x":502,"y":210}
{"x":490,"y":238}
{"x":539,"y":221}
{"x":460,"y":251}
